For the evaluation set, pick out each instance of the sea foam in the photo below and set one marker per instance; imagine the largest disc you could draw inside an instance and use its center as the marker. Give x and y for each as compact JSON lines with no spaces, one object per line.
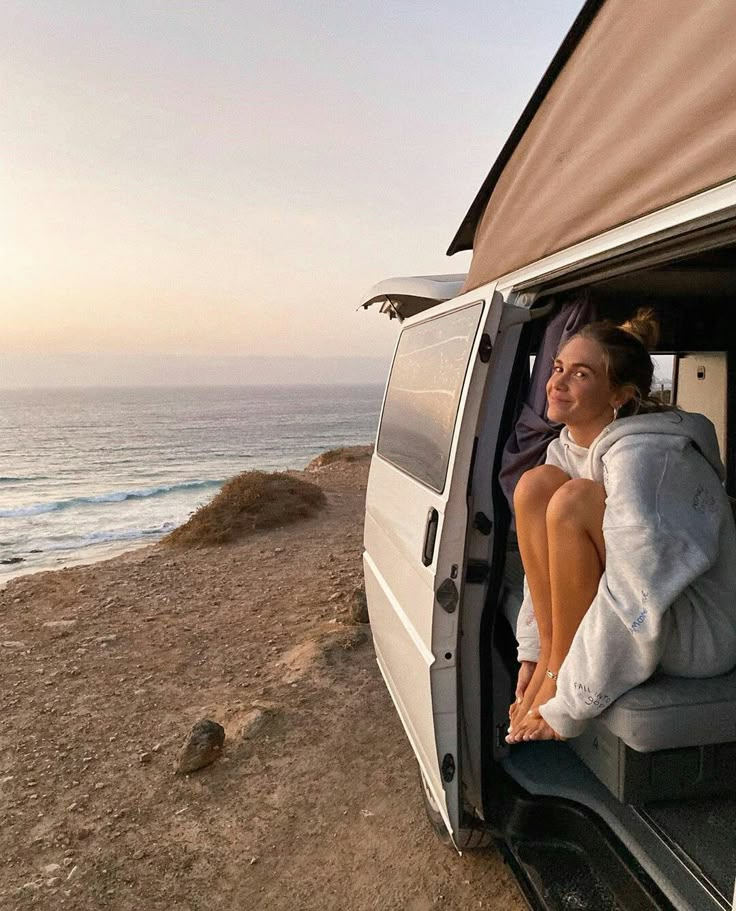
{"x":105,"y":537}
{"x":118,"y":496}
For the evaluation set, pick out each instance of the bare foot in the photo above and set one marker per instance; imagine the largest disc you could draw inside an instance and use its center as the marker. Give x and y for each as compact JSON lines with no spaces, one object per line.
{"x":526,"y":672}
{"x":530,"y":693}
{"x":536,"y":728}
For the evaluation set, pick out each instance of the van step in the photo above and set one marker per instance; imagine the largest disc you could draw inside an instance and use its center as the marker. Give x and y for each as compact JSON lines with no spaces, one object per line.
{"x":565,"y":860}
{"x":563,"y":878}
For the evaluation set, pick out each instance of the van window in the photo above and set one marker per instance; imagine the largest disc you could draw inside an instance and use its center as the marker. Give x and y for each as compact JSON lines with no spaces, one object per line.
{"x":424,"y":392}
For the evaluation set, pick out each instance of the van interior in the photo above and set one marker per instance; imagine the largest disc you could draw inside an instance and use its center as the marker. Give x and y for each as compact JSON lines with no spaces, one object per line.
{"x":659,"y":767}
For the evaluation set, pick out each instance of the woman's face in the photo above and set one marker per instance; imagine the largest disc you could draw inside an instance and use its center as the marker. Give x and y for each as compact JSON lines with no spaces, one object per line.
{"x":579,"y":393}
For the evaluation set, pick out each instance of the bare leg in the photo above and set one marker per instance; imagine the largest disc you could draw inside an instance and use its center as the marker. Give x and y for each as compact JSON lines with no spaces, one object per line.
{"x":577,"y":559}
{"x":531,"y":498}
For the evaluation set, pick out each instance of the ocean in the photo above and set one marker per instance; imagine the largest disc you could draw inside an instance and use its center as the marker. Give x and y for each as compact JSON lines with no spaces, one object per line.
{"x":88,"y":473}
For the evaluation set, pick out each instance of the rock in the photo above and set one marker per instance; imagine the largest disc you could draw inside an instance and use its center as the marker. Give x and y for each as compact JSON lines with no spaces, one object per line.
{"x":334,"y":596}
{"x":106,"y":640}
{"x":254,"y":722}
{"x":145,"y":758}
{"x":358,"y":608}
{"x":9,"y":561}
{"x":203,"y":747}
{"x":12,"y":643}
{"x":50,"y":869}
{"x":60,"y":626}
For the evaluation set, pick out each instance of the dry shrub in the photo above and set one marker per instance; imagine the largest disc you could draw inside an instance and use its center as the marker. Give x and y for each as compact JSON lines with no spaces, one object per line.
{"x":343,"y":454}
{"x":246,"y":504}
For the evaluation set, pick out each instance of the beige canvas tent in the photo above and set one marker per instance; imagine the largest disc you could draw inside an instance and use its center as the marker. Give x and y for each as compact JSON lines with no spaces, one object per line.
{"x":636,"y":111}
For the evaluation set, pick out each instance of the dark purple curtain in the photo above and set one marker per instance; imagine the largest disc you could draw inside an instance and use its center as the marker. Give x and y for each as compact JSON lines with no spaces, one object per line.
{"x":532,"y":433}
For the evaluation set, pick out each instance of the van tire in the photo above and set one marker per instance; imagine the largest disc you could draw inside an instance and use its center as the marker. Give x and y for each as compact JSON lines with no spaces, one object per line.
{"x":468,"y":839}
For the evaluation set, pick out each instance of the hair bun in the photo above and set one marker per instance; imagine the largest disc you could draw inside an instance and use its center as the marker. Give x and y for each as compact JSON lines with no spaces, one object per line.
{"x":643,"y":325}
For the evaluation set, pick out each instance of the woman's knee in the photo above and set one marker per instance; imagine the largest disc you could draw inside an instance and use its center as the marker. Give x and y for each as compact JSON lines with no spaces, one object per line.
{"x":579,"y":501}
{"x":536,"y":487}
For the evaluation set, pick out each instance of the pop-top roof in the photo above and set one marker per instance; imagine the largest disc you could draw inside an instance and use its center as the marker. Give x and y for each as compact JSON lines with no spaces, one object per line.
{"x":636,"y":111}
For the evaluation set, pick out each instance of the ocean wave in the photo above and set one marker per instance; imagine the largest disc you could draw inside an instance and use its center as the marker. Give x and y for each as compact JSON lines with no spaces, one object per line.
{"x":115,"y":497}
{"x":23,"y":480}
{"x":107,"y":537}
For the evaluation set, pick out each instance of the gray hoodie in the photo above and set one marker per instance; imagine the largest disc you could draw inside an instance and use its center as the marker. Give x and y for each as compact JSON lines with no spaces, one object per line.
{"x":667,"y":597}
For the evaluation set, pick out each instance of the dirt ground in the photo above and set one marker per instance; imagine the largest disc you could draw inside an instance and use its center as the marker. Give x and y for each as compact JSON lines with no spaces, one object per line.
{"x":314,"y":803}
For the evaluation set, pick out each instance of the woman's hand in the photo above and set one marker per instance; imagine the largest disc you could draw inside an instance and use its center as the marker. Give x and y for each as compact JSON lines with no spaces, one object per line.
{"x":526,"y":672}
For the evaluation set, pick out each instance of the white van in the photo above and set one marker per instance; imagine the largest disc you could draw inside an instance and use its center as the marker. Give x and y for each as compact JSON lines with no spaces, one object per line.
{"x":617,"y":189}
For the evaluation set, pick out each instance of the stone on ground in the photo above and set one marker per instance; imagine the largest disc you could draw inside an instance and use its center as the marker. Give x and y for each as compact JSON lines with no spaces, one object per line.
{"x":203,"y":746}
{"x":359,"y":607}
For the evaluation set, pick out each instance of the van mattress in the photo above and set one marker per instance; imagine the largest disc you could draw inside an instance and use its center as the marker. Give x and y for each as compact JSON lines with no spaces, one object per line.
{"x":670,"y":712}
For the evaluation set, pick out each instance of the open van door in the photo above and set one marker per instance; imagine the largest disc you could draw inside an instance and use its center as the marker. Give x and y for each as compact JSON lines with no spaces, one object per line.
{"x":416,"y":524}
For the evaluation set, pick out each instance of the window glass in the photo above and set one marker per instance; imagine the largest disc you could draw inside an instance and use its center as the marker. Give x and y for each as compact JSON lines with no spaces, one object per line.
{"x":424,"y":393}
{"x":663,"y":373}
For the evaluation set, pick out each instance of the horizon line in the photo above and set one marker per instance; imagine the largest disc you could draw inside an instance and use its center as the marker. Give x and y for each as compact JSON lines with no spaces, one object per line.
{"x":182,"y":386}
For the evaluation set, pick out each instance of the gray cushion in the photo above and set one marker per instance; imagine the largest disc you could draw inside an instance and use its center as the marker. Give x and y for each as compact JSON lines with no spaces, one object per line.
{"x":669,"y":712}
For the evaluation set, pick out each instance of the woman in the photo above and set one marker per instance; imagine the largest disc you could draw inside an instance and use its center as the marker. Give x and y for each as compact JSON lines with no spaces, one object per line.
{"x":626,"y":537}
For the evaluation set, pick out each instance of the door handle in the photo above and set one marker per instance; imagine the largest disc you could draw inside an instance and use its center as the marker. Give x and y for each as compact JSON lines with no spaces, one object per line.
{"x":430,"y":536}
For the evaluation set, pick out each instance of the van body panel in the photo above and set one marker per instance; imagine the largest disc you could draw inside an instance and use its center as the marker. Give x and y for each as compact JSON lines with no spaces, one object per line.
{"x":415,"y":637}
{"x":712,"y":206}
{"x":407,"y":713}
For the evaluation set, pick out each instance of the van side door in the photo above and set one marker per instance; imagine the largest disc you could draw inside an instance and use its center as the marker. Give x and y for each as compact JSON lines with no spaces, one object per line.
{"x":416,"y":521}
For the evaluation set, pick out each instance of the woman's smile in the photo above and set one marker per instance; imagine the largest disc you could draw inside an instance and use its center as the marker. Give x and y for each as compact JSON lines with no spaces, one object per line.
{"x":554,"y":397}
{"x":579,"y":393}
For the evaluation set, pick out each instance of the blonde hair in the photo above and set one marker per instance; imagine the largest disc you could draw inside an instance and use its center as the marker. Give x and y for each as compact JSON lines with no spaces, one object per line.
{"x":625,"y":348}
{"x":644,"y":326}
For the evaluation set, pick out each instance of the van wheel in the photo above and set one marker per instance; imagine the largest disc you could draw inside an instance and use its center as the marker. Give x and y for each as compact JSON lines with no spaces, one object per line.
{"x":467,"y":840}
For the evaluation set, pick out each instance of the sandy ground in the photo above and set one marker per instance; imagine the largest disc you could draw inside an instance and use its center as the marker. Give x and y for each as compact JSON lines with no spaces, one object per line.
{"x":314,"y":803}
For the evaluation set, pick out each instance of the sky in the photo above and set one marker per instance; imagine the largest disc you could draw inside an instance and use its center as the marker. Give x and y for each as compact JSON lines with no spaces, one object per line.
{"x":205,"y":190}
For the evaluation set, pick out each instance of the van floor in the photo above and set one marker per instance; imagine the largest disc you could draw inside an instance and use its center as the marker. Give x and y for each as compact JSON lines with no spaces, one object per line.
{"x":687,"y":846}
{"x":703,"y":830}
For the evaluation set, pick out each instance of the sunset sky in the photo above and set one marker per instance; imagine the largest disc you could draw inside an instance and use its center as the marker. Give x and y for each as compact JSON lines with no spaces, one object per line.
{"x":195,"y":182}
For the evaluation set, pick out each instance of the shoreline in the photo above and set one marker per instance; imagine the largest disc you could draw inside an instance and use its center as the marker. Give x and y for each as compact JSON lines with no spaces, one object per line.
{"x":107,"y":465}
{"x":108,"y":551}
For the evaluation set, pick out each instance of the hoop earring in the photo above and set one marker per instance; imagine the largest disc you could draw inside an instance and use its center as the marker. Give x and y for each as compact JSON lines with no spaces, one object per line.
{"x":615,"y":411}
